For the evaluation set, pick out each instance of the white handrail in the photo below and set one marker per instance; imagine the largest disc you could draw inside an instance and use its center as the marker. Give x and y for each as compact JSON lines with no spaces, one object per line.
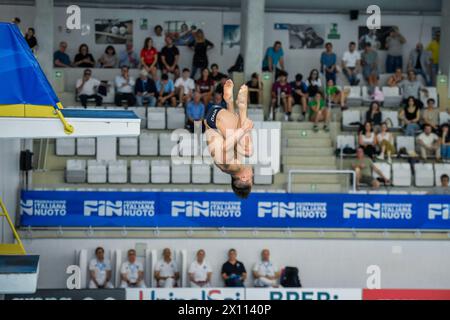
{"x":295,"y":171}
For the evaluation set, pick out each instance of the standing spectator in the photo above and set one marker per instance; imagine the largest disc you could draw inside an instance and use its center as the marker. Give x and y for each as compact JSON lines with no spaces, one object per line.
{"x":337,"y":96}
{"x":255,"y":88}
{"x":200,"y":45}
{"x":319,"y":112}
{"x":374,"y":115}
{"x":445,"y":142}
{"x":368,"y":140}
{"x":300,"y":93}
{"x":410,"y":116}
{"x":351,"y":63}
{"x":109,"y":58}
{"x":128,"y":57}
{"x":205,"y":85}
{"x":328,"y":62}
{"x":218,"y":101}
{"x":149,"y":57}
{"x":265,"y":272}
{"x":132,"y":272}
{"x":233,"y":271}
{"x":314,"y":83}
{"x":60,"y":58}
{"x":166,"y":271}
{"x":428,"y":144}
{"x":282,"y":95}
{"x":363,"y":167}
{"x":200,"y":271}
{"x":385,"y":141}
{"x":195,"y":112}
{"x":431,"y":115}
{"x":274,"y":56}
{"x":166,"y":91}
{"x":369,"y":61}
{"x":169,"y":57}
{"x":434,"y":47}
{"x":216,"y":75}
{"x":87,"y":89}
{"x":396,"y":79}
{"x":420,"y":62}
{"x":158,"y":38}
{"x":394,"y":44}
{"x":100,"y":271}
{"x":184,"y":87}
{"x":30,"y":38}
{"x":145,"y":90}
{"x":83,"y":59}
{"x":443,"y":189}
{"x":125,"y":88}
{"x":412,"y":87}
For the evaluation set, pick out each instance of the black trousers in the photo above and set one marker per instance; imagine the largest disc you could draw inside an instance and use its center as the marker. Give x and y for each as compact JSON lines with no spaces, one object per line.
{"x":129,"y":97}
{"x":84,"y":99}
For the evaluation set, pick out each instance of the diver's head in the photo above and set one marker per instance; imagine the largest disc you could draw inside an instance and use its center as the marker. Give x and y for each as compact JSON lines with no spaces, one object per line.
{"x":242,"y":182}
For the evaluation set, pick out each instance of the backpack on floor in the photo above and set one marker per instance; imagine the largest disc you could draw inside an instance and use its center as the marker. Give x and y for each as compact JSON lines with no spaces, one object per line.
{"x":290,"y":278}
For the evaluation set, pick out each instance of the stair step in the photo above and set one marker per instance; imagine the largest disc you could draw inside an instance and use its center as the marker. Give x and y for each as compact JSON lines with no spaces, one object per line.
{"x":312,"y":178}
{"x":304,"y":134}
{"x":308,"y":151}
{"x":293,"y":160}
{"x":317,"y":188}
{"x":303,"y":142}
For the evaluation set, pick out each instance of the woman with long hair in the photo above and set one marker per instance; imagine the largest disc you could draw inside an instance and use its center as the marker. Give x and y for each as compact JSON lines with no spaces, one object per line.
{"x":368,"y":140}
{"x":373,"y":115}
{"x":314,"y":83}
{"x":109,"y":58}
{"x":200,"y":45}
{"x":385,"y":141}
{"x":205,"y":86}
{"x":149,"y":57}
{"x":84,"y":59}
{"x":410,"y":116}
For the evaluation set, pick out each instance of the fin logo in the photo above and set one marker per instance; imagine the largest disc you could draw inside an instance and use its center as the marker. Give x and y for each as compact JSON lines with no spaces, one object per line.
{"x":190,"y":208}
{"x":102,"y":208}
{"x":26,"y":207}
{"x":438,"y":210}
{"x":276,"y":209}
{"x":361,"y":210}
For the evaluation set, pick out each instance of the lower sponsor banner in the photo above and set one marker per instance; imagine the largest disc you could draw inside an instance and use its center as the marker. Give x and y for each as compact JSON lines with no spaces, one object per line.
{"x":302,"y":294}
{"x":66,"y":294}
{"x":186,"y":294}
{"x":405,"y":294}
{"x":212,"y":210}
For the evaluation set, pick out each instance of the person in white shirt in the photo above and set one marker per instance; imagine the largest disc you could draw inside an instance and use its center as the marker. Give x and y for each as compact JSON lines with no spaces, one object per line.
{"x":166,"y":271}
{"x":428,"y":143}
{"x":200,"y":271}
{"x":265,"y":272}
{"x":132,"y":272}
{"x":351,"y":62}
{"x":100,"y":271}
{"x":184,"y":86}
{"x":158,"y":38}
{"x":125,"y":88}
{"x":87,"y":89}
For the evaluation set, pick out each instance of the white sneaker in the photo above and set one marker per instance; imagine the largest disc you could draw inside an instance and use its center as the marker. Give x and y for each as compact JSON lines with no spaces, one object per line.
{"x":380,"y":157}
{"x":389,"y":160}
{"x":180,"y":105}
{"x":286,"y":117}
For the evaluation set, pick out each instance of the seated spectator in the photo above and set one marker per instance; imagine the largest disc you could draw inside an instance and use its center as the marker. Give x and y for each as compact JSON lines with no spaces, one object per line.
{"x":218,"y":101}
{"x":410,"y":117}
{"x":109,"y":58}
{"x":374,"y":115}
{"x":166,"y":91}
{"x":428,"y":144}
{"x":255,"y":88}
{"x":233,"y":271}
{"x":396,"y":79}
{"x":166,"y":271}
{"x":170,"y":56}
{"x":184,"y":87}
{"x":385,"y":141}
{"x":300,"y":93}
{"x":351,"y":64}
{"x":100,"y":271}
{"x":219,"y":86}
{"x":132,"y":272}
{"x":420,"y":62}
{"x":368,"y":140}
{"x":125,"y":88}
{"x":273,"y":58}
{"x":128,"y":57}
{"x":328,"y":62}
{"x":337,"y":96}
{"x":205,"y":86}
{"x":411,"y":87}
{"x":363,"y":167}
{"x":431,"y":115}
{"x":265,"y":272}
{"x":145,"y":90}
{"x":314,"y":83}
{"x":282,"y":96}
{"x":60,"y":58}
{"x":200,"y":271}
{"x":149,"y":57}
{"x":445,"y":142}
{"x":443,"y":189}
{"x":195,"y":112}
{"x":31,"y":39}
{"x":216,"y":75}
{"x":370,"y":71}
{"x":319,"y":112}
{"x":87,"y":88}
{"x":83,"y":59}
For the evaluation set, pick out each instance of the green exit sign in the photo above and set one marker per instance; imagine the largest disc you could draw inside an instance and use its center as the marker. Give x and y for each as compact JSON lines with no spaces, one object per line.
{"x":58,"y":74}
{"x":266,"y":76}
{"x":442,"y":79}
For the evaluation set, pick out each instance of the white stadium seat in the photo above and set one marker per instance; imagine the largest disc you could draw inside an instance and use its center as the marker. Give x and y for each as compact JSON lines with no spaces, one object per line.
{"x":75,"y":171}
{"x":354,"y":98}
{"x":148,"y":144}
{"x":176,"y":118}
{"x":220,"y":177}
{"x":392,"y":116}
{"x":385,"y":168}
{"x":96,"y":171}
{"x":86,"y":147}
{"x":401,"y":173}
{"x":344,"y":141}
{"x":128,"y":146}
{"x":160,"y":171}
{"x":406,"y":142}
{"x":259,"y":178}
{"x":432,"y":94}
{"x":139,"y":171}
{"x":350,"y":116}
{"x":167,"y":145}
{"x":156,"y":118}
{"x":181,"y":173}
{"x":444,"y":117}
{"x":392,"y":96}
{"x":424,"y":175}
{"x":256,"y":114}
{"x":65,"y":147}
{"x":439,"y":170}
{"x":117,"y":171}
{"x":201,"y":173}
{"x":141,"y":112}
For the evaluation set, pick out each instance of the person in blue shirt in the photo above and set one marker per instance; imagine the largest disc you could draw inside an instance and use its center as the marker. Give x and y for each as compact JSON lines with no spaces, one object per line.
{"x":273,"y":58}
{"x":195,"y":112}
{"x":145,"y":90}
{"x":328,"y":61}
{"x":166,"y":91}
{"x":217,"y":101}
{"x":60,"y":58}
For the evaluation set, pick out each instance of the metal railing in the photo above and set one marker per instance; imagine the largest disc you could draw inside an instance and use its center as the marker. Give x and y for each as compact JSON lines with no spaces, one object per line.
{"x":300,"y":171}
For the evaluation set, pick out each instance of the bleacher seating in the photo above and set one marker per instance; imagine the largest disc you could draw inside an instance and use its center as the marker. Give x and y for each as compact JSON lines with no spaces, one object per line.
{"x":392,"y":96}
{"x":401,"y":173}
{"x":439,"y":170}
{"x":424,"y":175}
{"x":354,"y":98}
{"x":392,"y":116}
{"x":176,"y":118}
{"x":141,"y":112}
{"x":139,"y":171}
{"x":128,"y":146}
{"x":349,"y":117}
{"x":117,"y":171}
{"x":444,"y":117}
{"x":220,"y":177}
{"x":86,"y":147}
{"x":96,"y":171}
{"x":409,"y":143}
{"x":432,"y":94}
{"x":345,"y":141}
{"x":160,"y":171}
{"x":385,"y":168}
{"x":156,"y":118}
{"x":148,"y":144}
{"x":76,"y":171}
{"x":167,"y":144}
{"x":201,"y":173}
{"x":65,"y":147}
{"x":181,"y":173}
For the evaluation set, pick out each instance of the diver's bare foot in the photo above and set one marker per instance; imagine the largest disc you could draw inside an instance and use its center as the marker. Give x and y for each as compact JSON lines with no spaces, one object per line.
{"x":242,"y":98}
{"x":228,"y":91}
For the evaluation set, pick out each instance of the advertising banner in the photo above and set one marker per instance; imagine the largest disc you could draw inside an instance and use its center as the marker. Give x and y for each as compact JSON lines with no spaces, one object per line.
{"x":186,"y":294}
{"x":302,"y":294}
{"x":66,"y":294}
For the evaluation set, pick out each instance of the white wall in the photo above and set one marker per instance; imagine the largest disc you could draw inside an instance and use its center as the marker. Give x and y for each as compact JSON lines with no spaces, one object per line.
{"x":322,"y":263}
